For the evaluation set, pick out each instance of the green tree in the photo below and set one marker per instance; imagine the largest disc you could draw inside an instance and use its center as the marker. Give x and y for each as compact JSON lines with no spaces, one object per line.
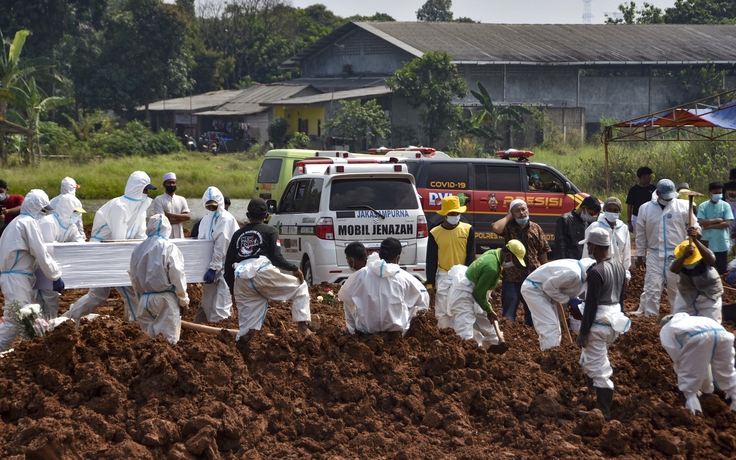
{"x":486,"y":121}
{"x":33,"y":102}
{"x":277,"y":130}
{"x":432,"y":82}
{"x":435,"y":11}
{"x":702,"y":12}
{"x":649,"y":14}
{"x":378,"y":17}
{"x":355,"y":121}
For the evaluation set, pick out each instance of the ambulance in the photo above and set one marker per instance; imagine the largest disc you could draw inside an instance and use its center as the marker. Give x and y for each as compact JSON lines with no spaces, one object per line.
{"x":331,"y":202}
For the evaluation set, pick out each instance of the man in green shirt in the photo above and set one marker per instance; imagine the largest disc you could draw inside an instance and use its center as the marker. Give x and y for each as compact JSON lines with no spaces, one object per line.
{"x":468,"y":299}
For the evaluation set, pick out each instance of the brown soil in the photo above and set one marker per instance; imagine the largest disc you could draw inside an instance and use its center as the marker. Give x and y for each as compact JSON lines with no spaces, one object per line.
{"x":108,"y":391}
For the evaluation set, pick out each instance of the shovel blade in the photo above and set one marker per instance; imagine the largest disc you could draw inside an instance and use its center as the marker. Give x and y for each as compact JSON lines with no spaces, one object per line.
{"x":498,"y":349}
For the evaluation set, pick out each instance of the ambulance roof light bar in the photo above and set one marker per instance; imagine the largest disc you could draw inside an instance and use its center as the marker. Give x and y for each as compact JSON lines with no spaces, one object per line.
{"x":364,"y":168}
{"x":519,"y":155}
{"x":302,"y":167}
{"x":334,"y":154}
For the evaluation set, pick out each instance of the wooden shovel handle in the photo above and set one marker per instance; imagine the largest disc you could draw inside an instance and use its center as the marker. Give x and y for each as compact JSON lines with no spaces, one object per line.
{"x":690,"y":214}
{"x":498,"y":332}
{"x":206,"y":329}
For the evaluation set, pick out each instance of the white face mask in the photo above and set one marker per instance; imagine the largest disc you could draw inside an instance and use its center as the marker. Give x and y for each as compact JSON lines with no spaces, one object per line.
{"x":611,"y":216}
{"x":508,"y":264}
{"x":663,"y":202}
{"x":3,"y":196}
{"x":75,"y":218}
{"x":453,"y":220}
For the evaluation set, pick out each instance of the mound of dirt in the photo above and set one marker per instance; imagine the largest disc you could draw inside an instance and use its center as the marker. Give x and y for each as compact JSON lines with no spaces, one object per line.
{"x":106,"y":390}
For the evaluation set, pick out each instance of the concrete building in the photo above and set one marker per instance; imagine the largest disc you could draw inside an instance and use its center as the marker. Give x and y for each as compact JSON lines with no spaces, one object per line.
{"x":584,"y":72}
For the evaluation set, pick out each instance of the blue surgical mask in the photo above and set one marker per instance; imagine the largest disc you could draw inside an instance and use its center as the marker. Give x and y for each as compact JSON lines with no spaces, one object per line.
{"x":75,"y":218}
{"x":587,"y":217}
{"x":611,"y":216}
{"x":716,"y":198}
{"x":522,"y":222}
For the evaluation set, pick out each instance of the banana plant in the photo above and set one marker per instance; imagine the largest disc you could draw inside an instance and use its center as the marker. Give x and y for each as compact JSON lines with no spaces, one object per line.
{"x":28,"y":98}
{"x":485,"y":121}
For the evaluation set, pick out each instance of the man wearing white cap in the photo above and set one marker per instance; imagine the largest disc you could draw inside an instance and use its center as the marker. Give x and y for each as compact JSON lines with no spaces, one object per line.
{"x":661,"y":225}
{"x":450,"y":243}
{"x":517,"y":226}
{"x":173,"y":206}
{"x":603,"y":319}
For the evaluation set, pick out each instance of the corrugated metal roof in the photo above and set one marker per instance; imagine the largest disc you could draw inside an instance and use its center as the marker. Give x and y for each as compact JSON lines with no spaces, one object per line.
{"x":336,"y":96}
{"x":248,"y":100}
{"x":325,"y":84}
{"x":195,"y":102}
{"x":554,"y":44}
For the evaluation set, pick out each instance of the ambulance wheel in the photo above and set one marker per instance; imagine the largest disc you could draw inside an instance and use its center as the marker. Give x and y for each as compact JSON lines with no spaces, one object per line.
{"x":307,"y":270}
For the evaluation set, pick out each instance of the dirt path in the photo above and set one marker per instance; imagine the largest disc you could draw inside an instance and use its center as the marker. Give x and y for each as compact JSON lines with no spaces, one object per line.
{"x":108,"y":391}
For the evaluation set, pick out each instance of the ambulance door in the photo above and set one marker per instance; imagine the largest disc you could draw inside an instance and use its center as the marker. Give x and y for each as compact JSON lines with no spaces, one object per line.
{"x":548,"y":201}
{"x":444,"y":178}
{"x":288,"y":219}
{"x":495,"y":188}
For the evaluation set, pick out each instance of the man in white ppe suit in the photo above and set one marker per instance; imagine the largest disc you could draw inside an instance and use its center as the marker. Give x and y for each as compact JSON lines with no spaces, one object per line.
{"x":662,"y":224}
{"x":381,"y":297}
{"x":253,"y":276}
{"x":157,"y":275}
{"x":122,"y":218}
{"x":603,"y":319}
{"x":620,"y":237}
{"x":69,"y":187}
{"x":217,"y":225}
{"x":22,"y":250}
{"x":694,"y":343}
{"x":557,"y":281}
{"x":59,"y":227}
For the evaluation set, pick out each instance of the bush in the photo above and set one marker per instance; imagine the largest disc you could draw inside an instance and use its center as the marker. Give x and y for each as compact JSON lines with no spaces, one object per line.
{"x":55,"y":139}
{"x":134,"y":139}
{"x":277,"y":130}
{"x":298,"y":141}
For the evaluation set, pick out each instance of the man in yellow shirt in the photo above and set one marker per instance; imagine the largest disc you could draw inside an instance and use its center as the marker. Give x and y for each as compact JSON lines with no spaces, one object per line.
{"x":450,"y":243}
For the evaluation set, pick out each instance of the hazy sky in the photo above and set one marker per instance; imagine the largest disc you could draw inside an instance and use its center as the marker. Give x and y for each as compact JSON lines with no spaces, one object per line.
{"x":498,"y":11}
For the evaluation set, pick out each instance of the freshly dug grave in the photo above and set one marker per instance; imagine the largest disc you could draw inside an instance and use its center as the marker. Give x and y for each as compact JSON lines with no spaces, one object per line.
{"x":108,"y":391}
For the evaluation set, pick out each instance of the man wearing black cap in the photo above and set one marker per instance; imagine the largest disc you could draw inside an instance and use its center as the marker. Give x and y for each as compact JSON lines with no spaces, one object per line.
{"x":9,"y":205}
{"x":382,"y":297}
{"x":638,"y":195}
{"x":252,"y":273}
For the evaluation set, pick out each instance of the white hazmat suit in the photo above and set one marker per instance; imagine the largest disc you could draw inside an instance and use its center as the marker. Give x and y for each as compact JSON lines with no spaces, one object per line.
{"x":157,"y":275}
{"x":381,"y":297}
{"x":620,"y":248}
{"x":22,"y":250}
{"x":60,"y":227}
{"x":218,"y":226}
{"x":694,"y":343}
{"x":658,"y":231}
{"x":68,"y":187}
{"x":122,"y":218}
{"x":256,"y":282}
{"x":553,"y":282}
{"x":468,"y":319}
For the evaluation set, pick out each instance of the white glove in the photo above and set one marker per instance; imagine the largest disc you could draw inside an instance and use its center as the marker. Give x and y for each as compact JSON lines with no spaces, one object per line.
{"x":693,"y":404}
{"x":184,"y":303}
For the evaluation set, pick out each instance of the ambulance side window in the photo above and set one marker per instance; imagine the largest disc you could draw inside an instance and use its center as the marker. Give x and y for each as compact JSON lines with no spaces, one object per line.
{"x":501,"y":178}
{"x":300,"y":195}
{"x":270,"y":171}
{"x":448,"y":175}
{"x":314,"y":194}
{"x":287,"y":200}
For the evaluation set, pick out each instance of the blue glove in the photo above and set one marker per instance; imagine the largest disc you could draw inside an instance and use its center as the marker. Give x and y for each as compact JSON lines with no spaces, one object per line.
{"x":731,"y":277}
{"x":209,"y":277}
{"x":58,"y":285}
{"x":574,"y":303}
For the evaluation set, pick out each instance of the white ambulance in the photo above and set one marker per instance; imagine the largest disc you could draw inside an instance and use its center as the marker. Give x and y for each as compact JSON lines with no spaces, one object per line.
{"x":332,"y":202}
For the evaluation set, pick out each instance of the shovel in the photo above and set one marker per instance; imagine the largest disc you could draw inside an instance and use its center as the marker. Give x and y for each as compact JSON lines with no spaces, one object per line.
{"x":501,"y":347}
{"x":690,"y":195}
{"x":563,"y":318}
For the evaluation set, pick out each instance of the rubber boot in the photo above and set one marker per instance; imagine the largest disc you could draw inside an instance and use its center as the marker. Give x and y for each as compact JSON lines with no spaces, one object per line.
{"x":591,"y":387}
{"x":604,"y":399}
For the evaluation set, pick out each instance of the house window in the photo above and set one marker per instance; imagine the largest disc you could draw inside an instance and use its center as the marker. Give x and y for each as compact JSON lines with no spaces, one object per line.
{"x":303,"y":126}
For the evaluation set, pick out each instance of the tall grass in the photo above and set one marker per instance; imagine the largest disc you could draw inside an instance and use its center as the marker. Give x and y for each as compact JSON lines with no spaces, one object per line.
{"x":697,"y":163}
{"x":233,"y":174}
